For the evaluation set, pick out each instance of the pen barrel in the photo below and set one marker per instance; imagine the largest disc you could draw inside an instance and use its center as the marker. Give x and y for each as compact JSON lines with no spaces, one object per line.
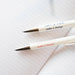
{"x":58,"y":25}
{"x":69,"y":23}
{"x":65,"y":40}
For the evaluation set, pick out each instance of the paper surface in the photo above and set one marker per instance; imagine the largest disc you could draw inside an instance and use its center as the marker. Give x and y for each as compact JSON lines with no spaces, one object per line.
{"x":62,"y":61}
{"x":17,"y":16}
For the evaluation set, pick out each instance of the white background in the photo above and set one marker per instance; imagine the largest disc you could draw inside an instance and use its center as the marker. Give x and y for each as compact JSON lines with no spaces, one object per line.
{"x":19,"y":15}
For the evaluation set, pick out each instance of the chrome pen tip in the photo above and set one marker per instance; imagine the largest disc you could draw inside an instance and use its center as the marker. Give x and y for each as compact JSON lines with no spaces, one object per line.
{"x":25,"y":48}
{"x":32,"y":30}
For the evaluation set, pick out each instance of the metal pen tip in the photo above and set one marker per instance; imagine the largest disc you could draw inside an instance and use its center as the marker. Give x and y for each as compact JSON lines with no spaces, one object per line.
{"x":32,"y":30}
{"x":25,"y":48}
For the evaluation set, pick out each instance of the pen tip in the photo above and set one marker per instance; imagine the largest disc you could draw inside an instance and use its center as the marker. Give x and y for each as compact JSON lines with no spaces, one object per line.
{"x":33,"y":30}
{"x":25,"y":48}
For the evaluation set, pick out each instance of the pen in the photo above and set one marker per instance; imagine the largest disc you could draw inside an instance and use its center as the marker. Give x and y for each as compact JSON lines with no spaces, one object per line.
{"x":64,"y":41}
{"x":70,"y":23}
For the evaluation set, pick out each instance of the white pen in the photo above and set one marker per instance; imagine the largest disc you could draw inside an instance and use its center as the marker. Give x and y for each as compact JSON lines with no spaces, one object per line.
{"x":59,"y":41}
{"x":54,"y":26}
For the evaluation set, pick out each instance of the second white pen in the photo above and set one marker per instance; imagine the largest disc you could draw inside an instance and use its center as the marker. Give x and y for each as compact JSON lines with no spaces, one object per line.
{"x":59,"y":41}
